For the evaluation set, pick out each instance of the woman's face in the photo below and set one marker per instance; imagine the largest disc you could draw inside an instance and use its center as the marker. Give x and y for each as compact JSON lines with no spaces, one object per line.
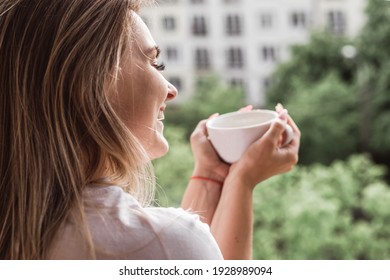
{"x":143,"y":91}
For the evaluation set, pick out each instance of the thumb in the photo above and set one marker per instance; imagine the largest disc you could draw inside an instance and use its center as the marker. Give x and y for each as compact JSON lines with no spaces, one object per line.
{"x":275,"y":131}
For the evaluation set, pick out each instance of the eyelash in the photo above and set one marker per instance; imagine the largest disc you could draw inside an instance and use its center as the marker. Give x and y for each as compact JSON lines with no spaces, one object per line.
{"x":159,"y":66}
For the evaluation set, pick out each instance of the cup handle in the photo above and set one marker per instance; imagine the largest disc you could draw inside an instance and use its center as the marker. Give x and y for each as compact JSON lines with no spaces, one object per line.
{"x":289,"y":133}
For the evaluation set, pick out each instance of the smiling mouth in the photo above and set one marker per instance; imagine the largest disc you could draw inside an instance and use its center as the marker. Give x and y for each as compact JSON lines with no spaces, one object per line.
{"x":160,"y":116}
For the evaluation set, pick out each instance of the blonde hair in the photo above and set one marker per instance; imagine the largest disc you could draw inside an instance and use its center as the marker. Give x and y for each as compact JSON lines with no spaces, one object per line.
{"x":58,"y":61}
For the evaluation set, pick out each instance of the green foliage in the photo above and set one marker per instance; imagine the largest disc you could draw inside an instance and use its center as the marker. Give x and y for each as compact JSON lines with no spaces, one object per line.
{"x":375,"y":88}
{"x":317,"y":87}
{"x":374,"y":53}
{"x":173,"y":170}
{"x":314,"y":212}
{"x":374,"y":40}
{"x":318,"y":212}
{"x":309,"y":64}
{"x":327,"y":114}
{"x":362,"y":108}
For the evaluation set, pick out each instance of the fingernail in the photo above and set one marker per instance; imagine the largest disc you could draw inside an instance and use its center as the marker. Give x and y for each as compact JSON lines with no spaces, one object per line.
{"x":279,"y":107}
{"x":214,"y":115}
{"x":283,"y":114}
{"x":246,"y":108}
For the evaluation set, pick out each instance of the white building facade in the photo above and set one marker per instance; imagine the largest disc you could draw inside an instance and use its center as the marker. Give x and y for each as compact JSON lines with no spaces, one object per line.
{"x":241,"y":41}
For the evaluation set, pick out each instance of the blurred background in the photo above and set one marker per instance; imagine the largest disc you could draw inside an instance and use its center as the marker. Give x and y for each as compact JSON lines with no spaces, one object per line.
{"x":328,"y":63}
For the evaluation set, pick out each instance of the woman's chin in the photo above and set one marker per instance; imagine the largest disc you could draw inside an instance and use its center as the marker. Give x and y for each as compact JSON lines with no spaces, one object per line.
{"x":159,"y":150}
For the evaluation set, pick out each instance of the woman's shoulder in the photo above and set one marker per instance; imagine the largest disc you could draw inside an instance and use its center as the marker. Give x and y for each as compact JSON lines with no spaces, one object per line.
{"x":114,"y":201}
{"x":132,"y":231}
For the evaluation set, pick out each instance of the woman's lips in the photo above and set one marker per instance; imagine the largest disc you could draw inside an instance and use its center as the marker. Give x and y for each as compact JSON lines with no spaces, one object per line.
{"x":160,"y":115}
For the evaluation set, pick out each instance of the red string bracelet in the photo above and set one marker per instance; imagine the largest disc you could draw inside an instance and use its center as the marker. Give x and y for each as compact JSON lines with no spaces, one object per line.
{"x":220,"y":183}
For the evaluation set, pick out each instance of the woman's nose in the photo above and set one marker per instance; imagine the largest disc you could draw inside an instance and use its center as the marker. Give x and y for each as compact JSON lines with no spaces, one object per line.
{"x":172,"y":92}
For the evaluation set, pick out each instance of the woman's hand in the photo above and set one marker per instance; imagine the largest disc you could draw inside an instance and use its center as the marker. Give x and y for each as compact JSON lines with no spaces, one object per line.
{"x":207,"y":162}
{"x":266,"y":157}
{"x":228,"y":209}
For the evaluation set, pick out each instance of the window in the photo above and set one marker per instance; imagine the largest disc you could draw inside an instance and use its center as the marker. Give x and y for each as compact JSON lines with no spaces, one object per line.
{"x":266,"y":20}
{"x":336,"y":22}
{"x":237,"y":82}
{"x":298,"y":19}
{"x":233,"y":25}
{"x":267,"y":83}
{"x":199,"y":27}
{"x":172,"y":53}
{"x":268,"y":53}
{"x":202,"y":59}
{"x":169,"y":23}
{"x":235,"y":58}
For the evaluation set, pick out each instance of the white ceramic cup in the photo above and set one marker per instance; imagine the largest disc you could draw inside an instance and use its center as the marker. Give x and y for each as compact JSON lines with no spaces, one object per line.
{"x":232,"y":133}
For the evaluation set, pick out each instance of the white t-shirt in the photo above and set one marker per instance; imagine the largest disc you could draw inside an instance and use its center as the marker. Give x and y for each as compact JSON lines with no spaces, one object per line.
{"x":122,"y":229}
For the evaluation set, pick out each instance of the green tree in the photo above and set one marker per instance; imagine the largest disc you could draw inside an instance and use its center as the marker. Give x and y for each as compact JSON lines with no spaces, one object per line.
{"x":326,"y":113}
{"x":309,"y":64}
{"x":366,"y":77}
{"x":321,"y":212}
{"x":174,"y":169}
{"x":314,"y":212}
{"x":374,"y":54}
{"x":317,"y":86}
{"x":374,"y":40}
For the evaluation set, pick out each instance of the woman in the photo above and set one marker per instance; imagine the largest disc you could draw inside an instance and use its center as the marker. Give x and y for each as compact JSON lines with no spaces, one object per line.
{"x":81,"y":108}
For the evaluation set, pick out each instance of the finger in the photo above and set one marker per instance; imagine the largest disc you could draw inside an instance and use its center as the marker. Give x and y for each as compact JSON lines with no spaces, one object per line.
{"x":291,"y":153}
{"x":283,"y":114}
{"x":296,"y":131}
{"x":291,"y":122}
{"x":200,"y":129}
{"x":246,"y":108}
{"x":213,"y":116}
{"x":279,"y":107}
{"x":275,"y":132}
{"x":202,"y":124}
